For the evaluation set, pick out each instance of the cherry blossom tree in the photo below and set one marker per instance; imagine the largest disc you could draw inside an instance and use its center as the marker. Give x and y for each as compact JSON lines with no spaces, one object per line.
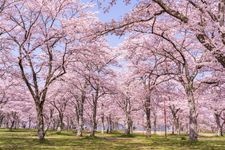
{"x":57,"y":70}
{"x":207,"y":26}
{"x":59,"y":101}
{"x":177,"y":60}
{"x":39,"y":32}
{"x":78,"y":90}
{"x":212,"y":101}
{"x":99,"y":74}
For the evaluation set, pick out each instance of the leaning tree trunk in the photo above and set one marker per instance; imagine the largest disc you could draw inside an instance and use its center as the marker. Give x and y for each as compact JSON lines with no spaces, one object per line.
{"x":193,"y":130}
{"x":40,"y":122}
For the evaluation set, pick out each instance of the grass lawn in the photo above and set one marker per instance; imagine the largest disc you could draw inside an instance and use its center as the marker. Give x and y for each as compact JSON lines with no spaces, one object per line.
{"x":27,"y":140}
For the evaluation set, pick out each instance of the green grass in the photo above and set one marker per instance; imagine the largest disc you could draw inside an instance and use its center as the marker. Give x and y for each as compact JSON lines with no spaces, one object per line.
{"x":27,"y":140}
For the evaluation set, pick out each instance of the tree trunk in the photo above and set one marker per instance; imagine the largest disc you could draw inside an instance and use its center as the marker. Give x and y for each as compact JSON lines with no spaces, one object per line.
{"x":220,"y":131}
{"x":175,"y":122}
{"x":109,"y":124}
{"x":68,"y":123}
{"x":173,"y":129}
{"x":40,"y":123}
{"x":94,"y":121}
{"x":29,"y":124}
{"x":94,"y":111}
{"x":155,"y":123}
{"x":165,"y":120}
{"x":177,"y":125}
{"x":61,"y":125}
{"x":148,"y":116}
{"x":12,"y":125}
{"x":129,"y":123}
{"x":80,"y":123}
{"x":80,"y":113}
{"x":59,"y":129}
{"x":103,"y":123}
{"x":179,"y":128}
{"x":193,"y":130}
{"x":218,"y":123}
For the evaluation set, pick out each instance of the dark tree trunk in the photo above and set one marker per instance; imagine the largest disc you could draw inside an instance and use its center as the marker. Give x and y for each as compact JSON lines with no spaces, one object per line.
{"x":40,"y":122}
{"x":165,"y":120}
{"x":218,"y":123}
{"x":148,"y":116}
{"x":103,"y":123}
{"x":220,"y":131}
{"x":29,"y":124}
{"x":155,"y":123}
{"x":94,"y":111}
{"x":12,"y":125}
{"x":94,"y":121}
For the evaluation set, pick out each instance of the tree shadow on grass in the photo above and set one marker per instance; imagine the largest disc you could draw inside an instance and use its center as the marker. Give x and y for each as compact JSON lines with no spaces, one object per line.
{"x":185,"y":144}
{"x":110,"y":142}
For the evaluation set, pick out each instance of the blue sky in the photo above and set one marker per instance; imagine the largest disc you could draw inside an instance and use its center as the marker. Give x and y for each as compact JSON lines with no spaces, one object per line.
{"x":116,"y":12}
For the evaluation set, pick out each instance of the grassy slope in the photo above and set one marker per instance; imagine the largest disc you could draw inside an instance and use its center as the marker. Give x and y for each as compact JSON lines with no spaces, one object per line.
{"x":24,"y":139}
